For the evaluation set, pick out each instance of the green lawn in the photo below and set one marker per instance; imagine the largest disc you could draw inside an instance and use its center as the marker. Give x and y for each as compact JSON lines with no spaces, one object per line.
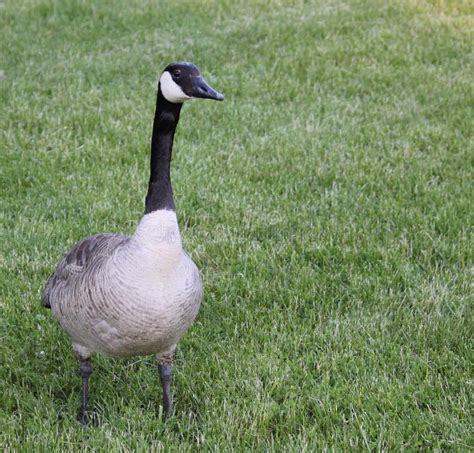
{"x":327,"y":201}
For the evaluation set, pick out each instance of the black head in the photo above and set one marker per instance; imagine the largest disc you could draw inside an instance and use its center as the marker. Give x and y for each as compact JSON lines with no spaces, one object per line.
{"x":182,"y":81}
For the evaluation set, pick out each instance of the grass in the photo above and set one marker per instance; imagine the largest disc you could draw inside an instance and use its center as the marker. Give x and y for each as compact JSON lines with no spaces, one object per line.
{"x":327,"y":201}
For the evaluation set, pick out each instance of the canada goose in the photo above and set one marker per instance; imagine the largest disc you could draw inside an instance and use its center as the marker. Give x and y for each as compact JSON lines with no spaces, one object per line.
{"x":135,"y":295}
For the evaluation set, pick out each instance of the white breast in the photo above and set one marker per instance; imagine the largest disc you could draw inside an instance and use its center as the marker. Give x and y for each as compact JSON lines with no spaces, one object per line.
{"x":157,"y":240}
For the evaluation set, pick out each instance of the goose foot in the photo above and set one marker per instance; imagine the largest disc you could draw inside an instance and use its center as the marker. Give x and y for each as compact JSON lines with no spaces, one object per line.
{"x":83,"y":418}
{"x":85,"y":370}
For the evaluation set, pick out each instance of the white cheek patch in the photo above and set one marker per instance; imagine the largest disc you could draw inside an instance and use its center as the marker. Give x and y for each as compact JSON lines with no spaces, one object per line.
{"x":171,"y":90}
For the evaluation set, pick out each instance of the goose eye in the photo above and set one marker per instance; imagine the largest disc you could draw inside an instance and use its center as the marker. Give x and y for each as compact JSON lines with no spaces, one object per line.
{"x":176,"y":73}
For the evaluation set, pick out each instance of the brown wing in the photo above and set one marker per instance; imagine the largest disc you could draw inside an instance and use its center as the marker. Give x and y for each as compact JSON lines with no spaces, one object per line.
{"x":79,"y":259}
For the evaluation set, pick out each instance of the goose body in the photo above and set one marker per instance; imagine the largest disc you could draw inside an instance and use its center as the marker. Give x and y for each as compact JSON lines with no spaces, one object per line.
{"x":124,"y":296}
{"x":135,"y":295}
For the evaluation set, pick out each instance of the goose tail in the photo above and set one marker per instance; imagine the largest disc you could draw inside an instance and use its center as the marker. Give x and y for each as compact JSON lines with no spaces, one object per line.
{"x":45,"y":297}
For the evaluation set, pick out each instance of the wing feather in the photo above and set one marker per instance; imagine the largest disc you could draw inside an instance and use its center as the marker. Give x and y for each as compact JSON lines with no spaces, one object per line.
{"x":83,"y":255}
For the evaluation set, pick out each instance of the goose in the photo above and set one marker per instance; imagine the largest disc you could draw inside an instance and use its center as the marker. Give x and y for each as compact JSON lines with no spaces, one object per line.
{"x":135,"y":295}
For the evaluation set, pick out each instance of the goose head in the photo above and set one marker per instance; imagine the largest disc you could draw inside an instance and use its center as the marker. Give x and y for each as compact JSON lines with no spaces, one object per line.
{"x":182,"y":81}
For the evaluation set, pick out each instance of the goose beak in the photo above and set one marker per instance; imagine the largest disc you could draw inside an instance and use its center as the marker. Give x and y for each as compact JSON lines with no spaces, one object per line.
{"x":201,"y":89}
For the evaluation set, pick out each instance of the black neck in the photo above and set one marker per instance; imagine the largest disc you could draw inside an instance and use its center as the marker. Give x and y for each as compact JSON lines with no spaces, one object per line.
{"x":160,"y":192}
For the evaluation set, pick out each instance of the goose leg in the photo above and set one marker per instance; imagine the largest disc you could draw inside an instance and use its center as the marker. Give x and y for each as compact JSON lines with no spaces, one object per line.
{"x":164,"y":367}
{"x":165,"y":378}
{"x":85,"y":370}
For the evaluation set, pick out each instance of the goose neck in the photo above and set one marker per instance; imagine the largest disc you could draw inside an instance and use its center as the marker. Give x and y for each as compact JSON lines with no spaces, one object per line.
{"x":160,"y":192}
